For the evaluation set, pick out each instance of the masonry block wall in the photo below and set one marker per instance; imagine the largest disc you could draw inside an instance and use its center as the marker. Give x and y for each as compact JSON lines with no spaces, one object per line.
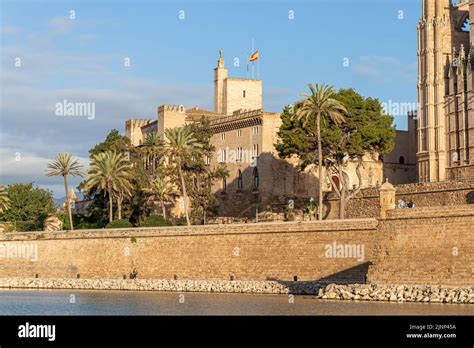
{"x":423,"y":246}
{"x":247,"y":252}
{"x":432,"y":194}
{"x":426,"y":246}
{"x":242,"y":94}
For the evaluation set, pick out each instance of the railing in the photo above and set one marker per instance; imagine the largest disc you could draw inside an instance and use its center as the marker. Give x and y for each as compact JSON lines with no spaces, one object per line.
{"x":237,"y":117}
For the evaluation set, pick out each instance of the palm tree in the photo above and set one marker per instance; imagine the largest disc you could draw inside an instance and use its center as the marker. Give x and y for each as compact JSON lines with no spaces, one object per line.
{"x":4,"y":200}
{"x":123,"y":191}
{"x":109,"y":171}
{"x":161,"y":189}
{"x":182,"y":144}
{"x":64,"y":164}
{"x":320,"y":104}
{"x":153,"y":146}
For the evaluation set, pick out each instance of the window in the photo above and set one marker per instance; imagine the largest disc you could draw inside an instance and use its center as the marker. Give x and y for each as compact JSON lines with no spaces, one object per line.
{"x":239,"y":154}
{"x":256,"y":179}
{"x":223,"y":136}
{"x":239,"y":132}
{"x":255,"y":129}
{"x":401,"y":160}
{"x":222,"y":156}
{"x":207,"y":159}
{"x":240,"y":183}
{"x":224,"y":185}
{"x":243,"y":94}
{"x":255,"y":150}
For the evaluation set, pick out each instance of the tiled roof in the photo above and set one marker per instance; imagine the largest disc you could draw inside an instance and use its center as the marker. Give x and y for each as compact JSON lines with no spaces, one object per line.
{"x":196,"y":113}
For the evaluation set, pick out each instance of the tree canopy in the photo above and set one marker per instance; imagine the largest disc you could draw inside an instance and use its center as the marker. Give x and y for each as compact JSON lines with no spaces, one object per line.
{"x":366,"y":129}
{"x":113,"y":142}
{"x":28,"y":204}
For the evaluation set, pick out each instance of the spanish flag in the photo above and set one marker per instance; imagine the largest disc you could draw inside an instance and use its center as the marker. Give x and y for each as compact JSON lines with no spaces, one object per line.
{"x":253,"y":56}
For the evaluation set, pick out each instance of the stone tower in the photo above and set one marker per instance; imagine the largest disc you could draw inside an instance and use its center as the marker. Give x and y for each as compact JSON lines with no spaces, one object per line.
{"x":434,"y":47}
{"x":235,"y":94}
{"x":220,"y":74}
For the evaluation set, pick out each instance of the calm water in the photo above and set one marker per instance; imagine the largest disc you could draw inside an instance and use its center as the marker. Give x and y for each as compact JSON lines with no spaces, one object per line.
{"x":57,"y":302}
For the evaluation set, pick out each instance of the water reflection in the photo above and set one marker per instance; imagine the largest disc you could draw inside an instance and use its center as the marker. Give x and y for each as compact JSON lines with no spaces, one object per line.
{"x":80,"y":302}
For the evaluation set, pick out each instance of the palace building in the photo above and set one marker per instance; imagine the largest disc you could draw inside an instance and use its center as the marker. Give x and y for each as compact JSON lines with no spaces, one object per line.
{"x":244,"y":136}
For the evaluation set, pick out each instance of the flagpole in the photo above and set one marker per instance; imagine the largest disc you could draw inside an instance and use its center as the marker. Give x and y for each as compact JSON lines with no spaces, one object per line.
{"x":253,"y":68}
{"x":258,"y":66}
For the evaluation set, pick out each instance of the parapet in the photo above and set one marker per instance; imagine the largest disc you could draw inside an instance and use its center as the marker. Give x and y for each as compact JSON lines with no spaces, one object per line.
{"x":171,"y":108}
{"x":135,"y":123}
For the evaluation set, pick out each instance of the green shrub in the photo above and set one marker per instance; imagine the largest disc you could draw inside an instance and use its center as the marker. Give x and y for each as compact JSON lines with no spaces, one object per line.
{"x":155,"y":221}
{"x":84,"y":225}
{"x":25,"y":226}
{"x":122,"y":223}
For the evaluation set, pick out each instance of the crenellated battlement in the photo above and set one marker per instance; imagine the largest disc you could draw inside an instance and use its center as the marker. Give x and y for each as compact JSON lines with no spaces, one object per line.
{"x":137,"y":122}
{"x":172,"y":108}
{"x":133,"y":129}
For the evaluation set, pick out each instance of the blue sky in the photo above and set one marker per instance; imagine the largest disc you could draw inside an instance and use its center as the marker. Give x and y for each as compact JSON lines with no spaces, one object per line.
{"x":172,"y":60}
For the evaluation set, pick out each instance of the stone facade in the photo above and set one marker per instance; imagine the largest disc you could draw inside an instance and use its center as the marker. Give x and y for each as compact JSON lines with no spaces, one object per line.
{"x":447,"y":248}
{"x":445,"y":91}
{"x":423,"y":195}
{"x":263,"y":251}
{"x":400,"y":165}
{"x":136,"y":130}
{"x":424,"y":247}
{"x":245,"y":138}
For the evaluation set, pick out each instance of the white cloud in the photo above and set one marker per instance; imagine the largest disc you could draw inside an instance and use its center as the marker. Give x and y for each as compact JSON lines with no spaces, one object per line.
{"x":384,"y":68}
{"x":28,"y":123}
{"x":29,"y":166}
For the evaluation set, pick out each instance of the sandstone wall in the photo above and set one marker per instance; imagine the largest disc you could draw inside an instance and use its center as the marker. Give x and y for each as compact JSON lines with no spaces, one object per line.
{"x":234,"y":98}
{"x":247,"y":252}
{"x":366,"y":204}
{"x":425,"y":246}
{"x":421,"y":246}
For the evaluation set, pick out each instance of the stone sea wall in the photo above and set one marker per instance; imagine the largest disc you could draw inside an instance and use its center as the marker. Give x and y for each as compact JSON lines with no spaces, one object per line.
{"x":264,"y":251}
{"x":421,"y":246}
{"x":362,"y":292}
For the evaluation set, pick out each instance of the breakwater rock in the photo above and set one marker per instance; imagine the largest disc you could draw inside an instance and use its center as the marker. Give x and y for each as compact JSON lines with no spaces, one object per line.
{"x":362,"y":292}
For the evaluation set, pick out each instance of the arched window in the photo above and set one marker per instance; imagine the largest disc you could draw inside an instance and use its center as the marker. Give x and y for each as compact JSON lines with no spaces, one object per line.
{"x":465,"y":25}
{"x":255,"y":150}
{"x":224,"y":185}
{"x":401,"y":160}
{"x":256,"y":179}
{"x":240,"y":183}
